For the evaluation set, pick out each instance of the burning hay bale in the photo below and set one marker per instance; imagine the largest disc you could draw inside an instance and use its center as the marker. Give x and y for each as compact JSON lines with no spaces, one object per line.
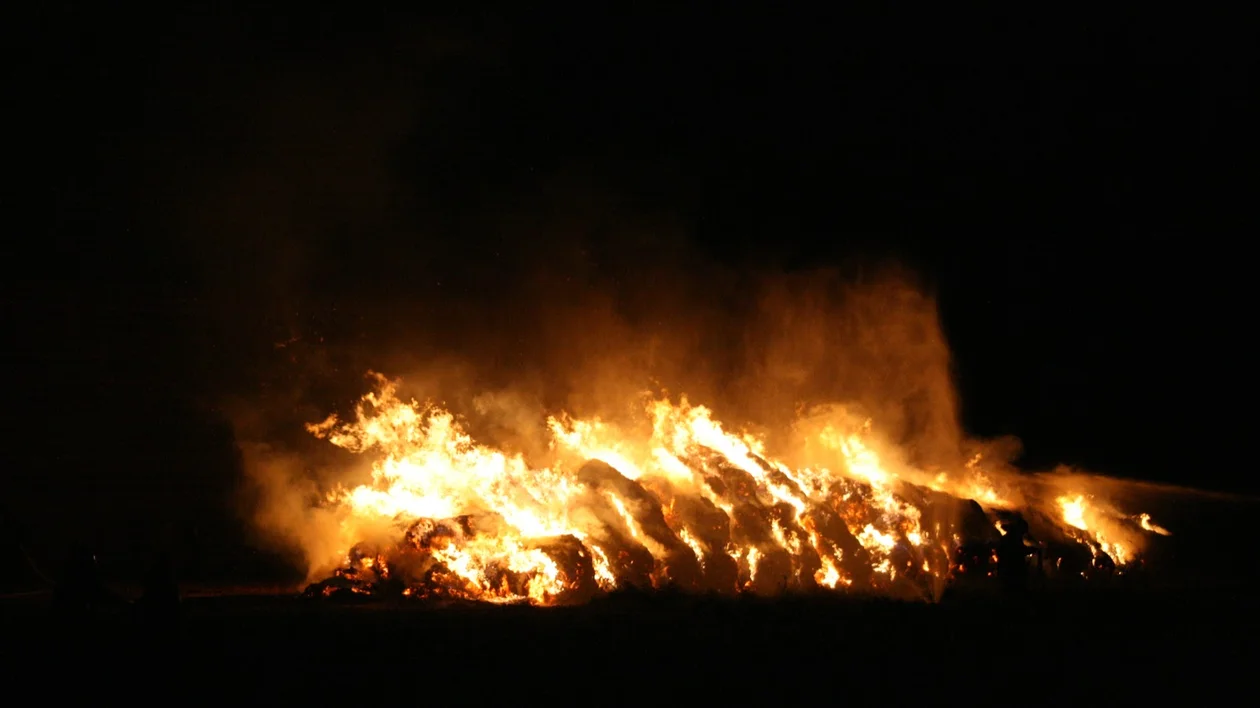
{"x":340,"y":588}
{"x":431,"y":561}
{"x":634,"y":529}
{"x":689,"y":506}
{"x":706,"y":530}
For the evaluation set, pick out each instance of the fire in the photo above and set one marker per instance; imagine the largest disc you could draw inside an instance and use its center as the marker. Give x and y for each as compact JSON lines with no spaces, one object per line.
{"x":1102,"y":530}
{"x":678,"y":499}
{"x":1147,"y":524}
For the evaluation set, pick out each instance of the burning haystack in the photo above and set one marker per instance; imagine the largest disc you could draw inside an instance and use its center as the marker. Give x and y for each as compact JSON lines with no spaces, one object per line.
{"x":680,"y":501}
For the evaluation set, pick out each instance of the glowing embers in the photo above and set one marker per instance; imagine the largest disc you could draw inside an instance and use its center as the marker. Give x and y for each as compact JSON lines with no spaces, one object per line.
{"x":454,"y":558}
{"x":675,"y":499}
{"x":1111,"y":537}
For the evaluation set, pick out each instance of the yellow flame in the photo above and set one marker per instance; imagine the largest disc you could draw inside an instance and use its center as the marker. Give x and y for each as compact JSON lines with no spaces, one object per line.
{"x":497,"y":521}
{"x":1148,"y":525}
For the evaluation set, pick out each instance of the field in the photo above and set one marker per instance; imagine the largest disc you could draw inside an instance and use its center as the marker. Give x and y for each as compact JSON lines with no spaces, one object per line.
{"x":1043,"y":648}
{"x":1186,"y":631}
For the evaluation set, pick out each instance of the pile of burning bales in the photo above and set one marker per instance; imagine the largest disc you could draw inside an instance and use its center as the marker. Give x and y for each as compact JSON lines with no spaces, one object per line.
{"x":676,"y":501}
{"x":988,"y":544}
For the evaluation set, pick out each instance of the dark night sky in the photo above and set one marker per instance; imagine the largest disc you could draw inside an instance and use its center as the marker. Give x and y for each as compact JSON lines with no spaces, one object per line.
{"x":1071,"y":188}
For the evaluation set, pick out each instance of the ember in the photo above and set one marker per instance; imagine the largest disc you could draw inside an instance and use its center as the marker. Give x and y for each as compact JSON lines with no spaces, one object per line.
{"x":678,"y":500}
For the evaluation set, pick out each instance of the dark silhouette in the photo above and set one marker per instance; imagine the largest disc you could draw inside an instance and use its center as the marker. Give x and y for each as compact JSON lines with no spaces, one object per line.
{"x":22,"y":572}
{"x":79,"y":589}
{"x":159,"y":605}
{"x":192,"y":557}
{"x":1104,"y":564}
{"x":1013,"y":552}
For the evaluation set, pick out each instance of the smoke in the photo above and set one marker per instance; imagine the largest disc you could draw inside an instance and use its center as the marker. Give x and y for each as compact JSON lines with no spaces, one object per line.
{"x":875,"y":346}
{"x":804,"y":351}
{"x":359,"y":223}
{"x":285,"y":505}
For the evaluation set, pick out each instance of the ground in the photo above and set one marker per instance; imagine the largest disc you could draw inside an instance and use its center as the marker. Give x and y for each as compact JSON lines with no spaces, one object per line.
{"x":1093,"y":646}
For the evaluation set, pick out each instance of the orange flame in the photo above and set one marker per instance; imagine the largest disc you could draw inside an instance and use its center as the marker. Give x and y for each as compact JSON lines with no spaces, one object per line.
{"x":682,"y":501}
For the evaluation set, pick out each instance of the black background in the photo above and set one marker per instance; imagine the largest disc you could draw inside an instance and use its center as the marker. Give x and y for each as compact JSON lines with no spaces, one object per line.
{"x":1071,"y":187}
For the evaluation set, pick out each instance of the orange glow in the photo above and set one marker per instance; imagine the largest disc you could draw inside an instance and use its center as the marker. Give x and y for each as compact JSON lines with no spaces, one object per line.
{"x":681,"y":499}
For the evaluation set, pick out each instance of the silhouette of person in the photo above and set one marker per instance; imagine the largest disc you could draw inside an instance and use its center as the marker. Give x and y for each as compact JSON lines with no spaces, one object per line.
{"x":159,"y":602}
{"x":1013,"y":556}
{"x":1105,"y":563}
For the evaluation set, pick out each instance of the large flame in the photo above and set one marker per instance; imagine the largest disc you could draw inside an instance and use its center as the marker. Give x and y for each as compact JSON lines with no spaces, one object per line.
{"x":677,"y":499}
